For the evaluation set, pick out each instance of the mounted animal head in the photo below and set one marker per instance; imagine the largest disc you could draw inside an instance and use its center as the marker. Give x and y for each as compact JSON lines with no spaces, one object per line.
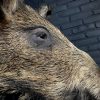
{"x":38,"y":62}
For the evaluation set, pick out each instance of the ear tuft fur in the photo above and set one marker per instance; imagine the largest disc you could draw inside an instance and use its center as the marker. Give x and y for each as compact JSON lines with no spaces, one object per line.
{"x":44,"y":10}
{"x":7,"y":7}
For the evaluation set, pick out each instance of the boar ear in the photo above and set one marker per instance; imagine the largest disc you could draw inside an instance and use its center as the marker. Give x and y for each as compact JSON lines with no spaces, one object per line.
{"x":7,"y":7}
{"x":44,"y":10}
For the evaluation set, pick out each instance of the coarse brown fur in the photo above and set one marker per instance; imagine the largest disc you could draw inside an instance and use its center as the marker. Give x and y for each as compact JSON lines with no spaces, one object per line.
{"x":60,"y":72}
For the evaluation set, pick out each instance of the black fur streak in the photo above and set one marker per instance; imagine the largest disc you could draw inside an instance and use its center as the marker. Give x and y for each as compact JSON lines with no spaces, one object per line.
{"x":70,"y":95}
{"x":79,"y":95}
{"x":16,"y":96}
{"x":2,"y":16}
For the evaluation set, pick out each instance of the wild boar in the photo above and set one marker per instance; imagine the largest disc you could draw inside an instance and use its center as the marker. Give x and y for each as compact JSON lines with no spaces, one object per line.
{"x":37,"y":62}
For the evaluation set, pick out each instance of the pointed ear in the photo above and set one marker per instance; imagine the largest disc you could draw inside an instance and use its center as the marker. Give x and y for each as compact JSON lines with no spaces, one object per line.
{"x":7,"y":7}
{"x":44,"y":11}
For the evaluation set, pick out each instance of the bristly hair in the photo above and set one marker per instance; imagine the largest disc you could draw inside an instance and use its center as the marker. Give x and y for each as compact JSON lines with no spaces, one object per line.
{"x":79,"y":95}
{"x":9,"y":6}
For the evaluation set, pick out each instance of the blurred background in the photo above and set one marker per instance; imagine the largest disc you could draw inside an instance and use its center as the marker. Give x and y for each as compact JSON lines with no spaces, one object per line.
{"x":79,"y":20}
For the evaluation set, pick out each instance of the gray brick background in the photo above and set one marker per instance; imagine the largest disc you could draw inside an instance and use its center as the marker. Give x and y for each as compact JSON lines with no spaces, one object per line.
{"x":79,"y":20}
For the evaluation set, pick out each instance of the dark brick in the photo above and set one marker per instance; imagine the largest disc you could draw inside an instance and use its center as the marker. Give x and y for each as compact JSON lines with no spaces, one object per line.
{"x":97,"y":11}
{"x":97,"y":59}
{"x":97,"y":24}
{"x":84,"y":48}
{"x":92,"y":0}
{"x":77,"y":37}
{"x":58,"y":20}
{"x":49,"y":1}
{"x":67,"y":32}
{"x":72,"y":24}
{"x":56,"y":25}
{"x":75,"y":30}
{"x":90,"y":26}
{"x":59,"y":8}
{"x":69,"y":12}
{"x":92,"y":19}
{"x":93,"y":33}
{"x":81,"y":15}
{"x":61,"y":2}
{"x":77,"y":3}
{"x":82,"y":28}
{"x":52,"y":18}
{"x":95,"y":53}
{"x":94,"y":47}
{"x":92,"y":5}
{"x":87,"y":42}
{"x":86,"y":27}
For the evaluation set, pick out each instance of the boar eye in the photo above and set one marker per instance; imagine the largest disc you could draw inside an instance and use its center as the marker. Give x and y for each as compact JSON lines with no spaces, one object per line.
{"x":40,"y":38}
{"x":42,"y":35}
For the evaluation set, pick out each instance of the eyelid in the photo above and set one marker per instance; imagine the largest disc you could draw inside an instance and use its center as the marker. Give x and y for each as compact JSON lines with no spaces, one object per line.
{"x":34,"y":27}
{"x":39,"y":30}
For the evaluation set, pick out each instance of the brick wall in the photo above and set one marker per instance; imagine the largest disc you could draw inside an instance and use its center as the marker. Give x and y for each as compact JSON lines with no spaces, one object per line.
{"x":79,"y":20}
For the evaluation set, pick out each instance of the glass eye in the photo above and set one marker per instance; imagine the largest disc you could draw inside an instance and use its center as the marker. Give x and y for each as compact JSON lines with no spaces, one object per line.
{"x":42,"y":35}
